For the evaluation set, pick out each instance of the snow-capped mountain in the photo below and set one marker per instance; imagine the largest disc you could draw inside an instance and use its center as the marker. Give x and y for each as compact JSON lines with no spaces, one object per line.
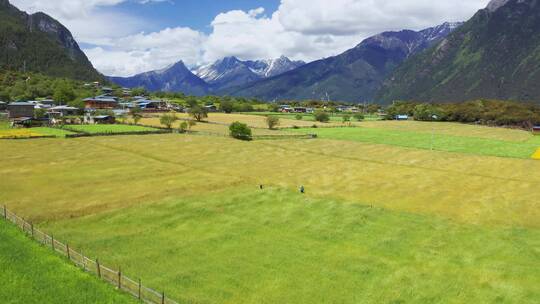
{"x":231,"y":71}
{"x":273,"y":67}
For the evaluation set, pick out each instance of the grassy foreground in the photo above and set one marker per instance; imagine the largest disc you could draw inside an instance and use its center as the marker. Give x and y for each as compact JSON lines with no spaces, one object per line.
{"x":31,"y":273}
{"x":277,"y":246}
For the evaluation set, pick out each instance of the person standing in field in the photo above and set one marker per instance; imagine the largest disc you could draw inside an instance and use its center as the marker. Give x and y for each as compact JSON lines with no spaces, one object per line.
{"x":302,"y":189}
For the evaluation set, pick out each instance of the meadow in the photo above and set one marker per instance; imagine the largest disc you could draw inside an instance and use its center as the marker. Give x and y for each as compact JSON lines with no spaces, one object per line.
{"x":379,"y":222}
{"x":94,"y":129}
{"x":33,"y":274}
{"x":510,"y":143}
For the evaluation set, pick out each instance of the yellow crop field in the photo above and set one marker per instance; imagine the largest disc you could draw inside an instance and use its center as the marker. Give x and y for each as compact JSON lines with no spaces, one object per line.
{"x":536,"y":155}
{"x":19,"y":133}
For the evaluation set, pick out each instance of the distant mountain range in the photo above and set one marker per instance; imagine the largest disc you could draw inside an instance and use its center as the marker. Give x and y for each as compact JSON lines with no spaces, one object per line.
{"x":496,"y":54}
{"x":39,"y":43}
{"x":211,"y":78}
{"x":231,"y":71}
{"x":175,"y":78}
{"x":355,"y":75}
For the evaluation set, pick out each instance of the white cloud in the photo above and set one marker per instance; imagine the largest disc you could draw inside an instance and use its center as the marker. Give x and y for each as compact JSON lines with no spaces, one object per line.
{"x":299,"y":29}
{"x":144,"y":52}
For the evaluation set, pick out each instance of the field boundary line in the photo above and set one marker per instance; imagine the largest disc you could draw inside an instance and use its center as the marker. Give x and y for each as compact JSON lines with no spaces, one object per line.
{"x":104,"y":273}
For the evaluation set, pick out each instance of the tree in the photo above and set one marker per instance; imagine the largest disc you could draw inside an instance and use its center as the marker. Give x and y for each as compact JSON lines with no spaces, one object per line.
{"x":272,"y":121}
{"x":322,"y":116}
{"x":299,"y":117}
{"x":199,"y":113}
{"x":40,"y":113}
{"x":226,"y":106}
{"x":63,"y":93}
{"x":140,"y":91}
{"x":427,"y":112}
{"x":192,"y":102}
{"x":346,"y":118}
{"x":191,"y":124}
{"x":136,"y":114}
{"x":183,"y":127}
{"x":240,"y":131}
{"x":359,"y":116}
{"x":168,"y":120}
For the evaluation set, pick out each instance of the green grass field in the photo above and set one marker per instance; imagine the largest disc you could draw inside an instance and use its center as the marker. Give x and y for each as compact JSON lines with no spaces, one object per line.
{"x":379,"y":223}
{"x":276,"y":246}
{"x":31,"y":273}
{"x":433,"y":140}
{"x":93,"y":129}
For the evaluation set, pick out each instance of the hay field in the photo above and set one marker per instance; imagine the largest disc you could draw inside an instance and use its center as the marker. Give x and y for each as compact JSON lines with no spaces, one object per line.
{"x":254,"y":121}
{"x":213,"y":128}
{"x":185,"y":214}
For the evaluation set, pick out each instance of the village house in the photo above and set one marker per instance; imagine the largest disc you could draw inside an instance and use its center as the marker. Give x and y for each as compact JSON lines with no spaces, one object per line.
{"x":3,"y":106}
{"x":100,"y":102}
{"x":63,"y":111}
{"x":20,"y":109}
{"x":107,"y":91}
{"x":536,"y":130}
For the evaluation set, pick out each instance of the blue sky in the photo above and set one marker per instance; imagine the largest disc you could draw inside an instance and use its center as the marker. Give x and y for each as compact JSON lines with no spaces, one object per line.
{"x":196,"y":14}
{"x":126,"y":37}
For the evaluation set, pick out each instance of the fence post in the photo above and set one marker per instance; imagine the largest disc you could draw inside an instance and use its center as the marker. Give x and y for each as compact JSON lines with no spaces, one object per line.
{"x":67,"y":250}
{"x":32,"y":229}
{"x":163,"y":298}
{"x":5,"y":212}
{"x":139,"y":289}
{"x":52,"y":242}
{"x":83,"y":261}
{"x":119,"y":278}
{"x":98,"y":269}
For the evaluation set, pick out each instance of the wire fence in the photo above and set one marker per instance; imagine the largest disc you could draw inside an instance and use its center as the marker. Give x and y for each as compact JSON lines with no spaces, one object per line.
{"x":114,"y":277}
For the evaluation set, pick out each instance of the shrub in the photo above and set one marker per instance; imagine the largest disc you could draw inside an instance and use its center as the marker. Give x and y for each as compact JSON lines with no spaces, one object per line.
{"x":183,"y":127}
{"x":272,"y":122}
{"x":346,"y":118}
{"x":321,"y":116}
{"x":240,"y":131}
{"x":299,"y":117}
{"x":359,"y":116}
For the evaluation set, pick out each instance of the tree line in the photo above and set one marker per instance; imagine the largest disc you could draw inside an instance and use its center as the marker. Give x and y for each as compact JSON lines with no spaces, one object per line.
{"x":482,"y":111}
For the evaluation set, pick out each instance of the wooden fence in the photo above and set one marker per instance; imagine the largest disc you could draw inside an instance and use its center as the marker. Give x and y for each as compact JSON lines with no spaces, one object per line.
{"x":114,"y":277}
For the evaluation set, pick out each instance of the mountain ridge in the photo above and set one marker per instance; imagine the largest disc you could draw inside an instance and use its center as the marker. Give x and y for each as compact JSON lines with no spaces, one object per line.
{"x":494,"y":55}
{"x":175,"y":78}
{"x":39,"y":43}
{"x":354,"y":75}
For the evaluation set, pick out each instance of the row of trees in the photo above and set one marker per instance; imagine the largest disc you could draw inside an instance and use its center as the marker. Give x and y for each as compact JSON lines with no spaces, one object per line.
{"x":488,"y":112}
{"x":17,"y":86}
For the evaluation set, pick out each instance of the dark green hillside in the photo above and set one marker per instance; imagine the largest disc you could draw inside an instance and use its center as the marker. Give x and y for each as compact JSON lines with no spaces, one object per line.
{"x":494,"y":55}
{"x":31,"y":273}
{"x":41,"y":44}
